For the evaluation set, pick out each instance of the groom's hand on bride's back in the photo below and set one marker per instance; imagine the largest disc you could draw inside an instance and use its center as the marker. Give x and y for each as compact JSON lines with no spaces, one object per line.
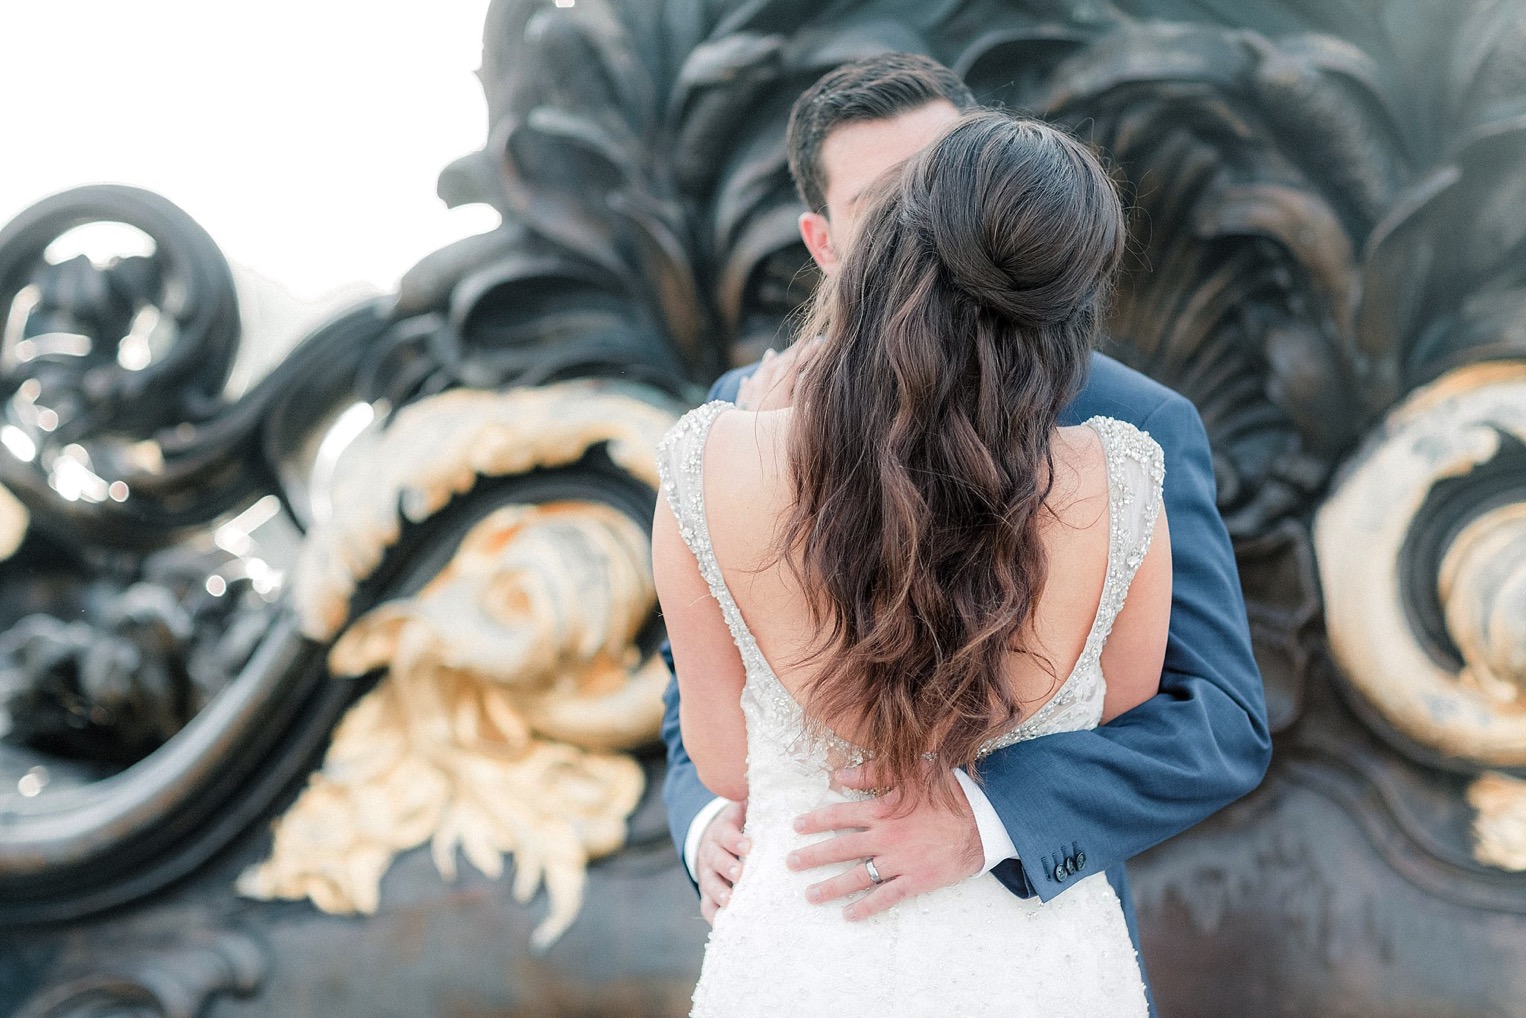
{"x":911,"y":853}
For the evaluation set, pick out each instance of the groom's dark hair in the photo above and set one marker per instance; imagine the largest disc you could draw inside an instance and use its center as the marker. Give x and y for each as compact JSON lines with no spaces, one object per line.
{"x":874,"y":88}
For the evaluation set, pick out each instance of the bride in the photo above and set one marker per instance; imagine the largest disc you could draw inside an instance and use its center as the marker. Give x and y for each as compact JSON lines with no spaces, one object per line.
{"x":916,"y":564}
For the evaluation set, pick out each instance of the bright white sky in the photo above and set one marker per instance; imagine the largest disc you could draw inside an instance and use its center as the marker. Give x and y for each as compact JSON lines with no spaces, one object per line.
{"x":304,"y":135}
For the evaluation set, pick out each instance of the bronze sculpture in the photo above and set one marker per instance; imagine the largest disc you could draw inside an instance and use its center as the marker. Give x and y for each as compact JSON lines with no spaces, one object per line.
{"x":1329,"y":262}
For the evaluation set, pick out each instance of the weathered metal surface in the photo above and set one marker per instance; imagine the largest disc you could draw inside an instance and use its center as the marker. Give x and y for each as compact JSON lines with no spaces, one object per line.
{"x":1327,"y":218}
{"x":434,"y":948}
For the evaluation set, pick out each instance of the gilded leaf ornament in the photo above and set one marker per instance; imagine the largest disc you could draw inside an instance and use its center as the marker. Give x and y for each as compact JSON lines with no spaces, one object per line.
{"x":513,"y":678}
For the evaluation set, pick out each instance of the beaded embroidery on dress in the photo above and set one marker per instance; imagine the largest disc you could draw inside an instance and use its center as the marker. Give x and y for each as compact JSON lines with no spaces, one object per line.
{"x":970,"y":949}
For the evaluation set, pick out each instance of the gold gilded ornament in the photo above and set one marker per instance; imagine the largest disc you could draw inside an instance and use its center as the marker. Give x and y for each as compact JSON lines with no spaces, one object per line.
{"x":434,"y":450}
{"x":1499,"y":831}
{"x":512,"y":678}
{"x":1474,"y":714}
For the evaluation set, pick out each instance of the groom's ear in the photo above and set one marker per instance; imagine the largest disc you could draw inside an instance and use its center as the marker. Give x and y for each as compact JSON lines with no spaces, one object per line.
{"x":816,"y":231}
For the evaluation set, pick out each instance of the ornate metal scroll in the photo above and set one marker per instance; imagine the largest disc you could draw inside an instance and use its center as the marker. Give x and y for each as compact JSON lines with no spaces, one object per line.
{"x":144,"y":630}
{"x":1441,"y":490}
{"x":172,"y":982}
{"x":511,"y":675}
{"x":159,"y":697}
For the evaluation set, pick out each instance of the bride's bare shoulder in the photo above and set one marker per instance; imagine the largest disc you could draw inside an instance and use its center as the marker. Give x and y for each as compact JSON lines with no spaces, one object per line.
{"x":748,"y":441}
{"x":746,"y":485}
{"x":1080,"y":476}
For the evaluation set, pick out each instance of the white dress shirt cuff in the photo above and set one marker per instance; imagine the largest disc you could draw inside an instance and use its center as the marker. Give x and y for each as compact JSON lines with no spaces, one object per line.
{"x":702,"y":820}
{"x":994,"y":839}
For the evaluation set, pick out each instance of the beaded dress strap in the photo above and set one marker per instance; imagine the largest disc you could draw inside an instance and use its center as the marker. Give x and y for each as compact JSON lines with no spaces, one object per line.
{"x":681,"y":468}
{"x":1122,"y":444}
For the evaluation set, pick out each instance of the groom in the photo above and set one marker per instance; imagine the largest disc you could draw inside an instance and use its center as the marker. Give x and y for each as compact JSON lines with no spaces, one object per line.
{"x":1051,"y":810}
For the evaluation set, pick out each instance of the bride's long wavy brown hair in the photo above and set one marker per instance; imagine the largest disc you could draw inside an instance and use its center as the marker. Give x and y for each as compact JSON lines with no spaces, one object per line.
{"x":956,"y":330}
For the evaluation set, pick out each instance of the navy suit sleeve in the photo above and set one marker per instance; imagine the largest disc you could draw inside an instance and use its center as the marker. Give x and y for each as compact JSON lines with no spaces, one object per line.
{"x":682,"y":792}
{"x":1086,"y":801}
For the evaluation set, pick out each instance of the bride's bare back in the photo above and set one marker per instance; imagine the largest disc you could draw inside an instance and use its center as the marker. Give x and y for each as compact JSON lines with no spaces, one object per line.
{"x":748,"y":491}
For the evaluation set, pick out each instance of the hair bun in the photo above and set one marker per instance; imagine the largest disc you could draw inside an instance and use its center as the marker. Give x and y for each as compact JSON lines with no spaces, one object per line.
{"x":1039,"y":237}
{"x":993,"y":288}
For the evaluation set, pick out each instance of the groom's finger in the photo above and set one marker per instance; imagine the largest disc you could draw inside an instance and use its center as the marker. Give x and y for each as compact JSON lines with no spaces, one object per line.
{"x":840,"y":816}
{"x":757,"y":384}
{"x":887,"y":895}
{"x":716,"y":861}
{"x":729,"y":836}
{"x":851,"y":882}
{"x":713,"y":887}
{"x":865,"y":777}
{"x":839,"y":849}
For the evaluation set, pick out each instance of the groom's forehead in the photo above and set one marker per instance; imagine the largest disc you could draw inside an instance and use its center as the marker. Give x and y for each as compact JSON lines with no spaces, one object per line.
{"x":857,"y":153}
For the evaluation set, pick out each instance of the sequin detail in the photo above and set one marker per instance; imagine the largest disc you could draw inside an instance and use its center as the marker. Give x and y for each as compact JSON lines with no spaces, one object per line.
{"x":955,"y":945}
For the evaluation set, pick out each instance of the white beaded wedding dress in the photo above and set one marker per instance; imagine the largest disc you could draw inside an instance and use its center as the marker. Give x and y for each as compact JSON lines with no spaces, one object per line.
{"x":970,"y":949}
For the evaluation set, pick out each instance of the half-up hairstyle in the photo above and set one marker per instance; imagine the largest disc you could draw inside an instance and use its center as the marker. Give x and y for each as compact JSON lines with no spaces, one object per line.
{"x":956,"y":330}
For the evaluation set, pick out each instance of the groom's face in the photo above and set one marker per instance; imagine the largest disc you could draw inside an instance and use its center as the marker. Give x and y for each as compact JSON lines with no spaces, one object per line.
{"x":854,"y":156}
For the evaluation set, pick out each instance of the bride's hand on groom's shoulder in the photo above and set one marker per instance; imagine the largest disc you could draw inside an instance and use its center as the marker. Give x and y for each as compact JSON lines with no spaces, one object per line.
{"x":910,"y":853}
{"x":772,"y":386}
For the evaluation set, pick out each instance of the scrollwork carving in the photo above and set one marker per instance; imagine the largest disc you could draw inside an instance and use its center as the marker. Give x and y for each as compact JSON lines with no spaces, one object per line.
{"x":1482,"y":587}
{"x":1426,"y":524}
{"x":175,"y":982}
{"x":435,"y":450}
{"x":1328,"y":219}
{"x":511,"y":676}
{"x":1499,"y":830}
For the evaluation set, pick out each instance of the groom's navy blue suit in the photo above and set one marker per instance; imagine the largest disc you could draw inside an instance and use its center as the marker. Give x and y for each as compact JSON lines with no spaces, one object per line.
{"x":1078,"y":803}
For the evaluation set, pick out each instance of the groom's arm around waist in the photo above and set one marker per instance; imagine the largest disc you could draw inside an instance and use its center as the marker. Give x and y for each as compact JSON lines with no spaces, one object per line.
{"x":1078,"y":803}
